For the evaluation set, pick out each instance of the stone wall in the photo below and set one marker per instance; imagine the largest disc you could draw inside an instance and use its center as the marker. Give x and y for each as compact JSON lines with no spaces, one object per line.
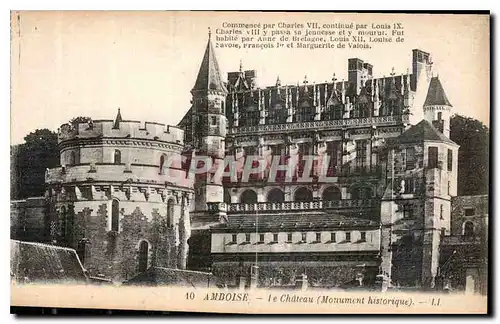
{"x":116,"y":254}
{"x":27,"y":219}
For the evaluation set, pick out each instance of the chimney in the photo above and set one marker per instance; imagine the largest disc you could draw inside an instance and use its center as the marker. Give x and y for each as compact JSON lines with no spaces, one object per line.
{"x":421,"y":61}
{"x":355,"y":71}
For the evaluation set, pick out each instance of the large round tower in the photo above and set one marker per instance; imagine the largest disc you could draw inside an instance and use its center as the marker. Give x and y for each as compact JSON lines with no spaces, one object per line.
{"x":117,"y":199}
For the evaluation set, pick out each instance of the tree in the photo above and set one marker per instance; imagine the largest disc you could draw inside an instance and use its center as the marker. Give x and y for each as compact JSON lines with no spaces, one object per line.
{"x":29,"y":162}
{"x":473,"y":156}
{"x":79,"y":120}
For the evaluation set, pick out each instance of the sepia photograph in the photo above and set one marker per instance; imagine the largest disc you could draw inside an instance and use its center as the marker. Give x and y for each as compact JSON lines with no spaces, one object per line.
{"x":250,"y":162}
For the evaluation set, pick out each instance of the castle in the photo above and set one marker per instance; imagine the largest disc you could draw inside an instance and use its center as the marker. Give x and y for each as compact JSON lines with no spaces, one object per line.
{"x":111,"y":200}
{"x":383,"y":206}
{"x":350,"y":180}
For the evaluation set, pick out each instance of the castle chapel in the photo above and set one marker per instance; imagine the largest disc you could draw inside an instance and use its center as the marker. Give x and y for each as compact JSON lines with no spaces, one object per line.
{"x":379,"y":207}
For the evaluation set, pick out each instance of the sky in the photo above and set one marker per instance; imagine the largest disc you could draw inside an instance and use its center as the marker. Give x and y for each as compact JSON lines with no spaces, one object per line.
{"x":68,"y":64}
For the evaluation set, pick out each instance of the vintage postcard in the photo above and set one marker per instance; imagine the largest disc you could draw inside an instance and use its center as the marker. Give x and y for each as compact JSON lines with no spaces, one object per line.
{"x":250,"y":162}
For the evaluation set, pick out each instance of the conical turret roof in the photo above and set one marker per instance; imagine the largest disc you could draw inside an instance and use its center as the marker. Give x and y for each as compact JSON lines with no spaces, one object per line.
{"x":118,"y":119}
{"x":436,"y":95}
{"x":209,"y":77}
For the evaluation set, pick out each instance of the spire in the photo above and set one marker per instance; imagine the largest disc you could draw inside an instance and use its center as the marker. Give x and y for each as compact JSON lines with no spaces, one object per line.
{"x":436,"y":95}
{"x":118,"y":120}
{"x":241,"y":66}
{"x":278,"y":81}
{"x":209,"y":77}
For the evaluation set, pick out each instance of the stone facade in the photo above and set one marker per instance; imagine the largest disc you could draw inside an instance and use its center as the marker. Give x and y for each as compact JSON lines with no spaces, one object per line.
{"x":464,"y":251}
{"x":120,"y":197}
{"x":385,"y":176}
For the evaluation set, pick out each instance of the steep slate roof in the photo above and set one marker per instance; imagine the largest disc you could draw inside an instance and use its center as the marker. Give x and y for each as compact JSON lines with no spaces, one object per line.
{"x":37,"y":262}
{"x":435,"y":94}
{"x":209,"y":77}
{"x":158,"y":276}
{"x":186,"y":119}
{"x":420,"y":132}
{"x":299,"y":221}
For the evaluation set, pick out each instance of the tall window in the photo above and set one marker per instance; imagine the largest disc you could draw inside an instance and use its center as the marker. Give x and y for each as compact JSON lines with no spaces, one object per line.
{"x":363,"y":237}
{"x":348,"y":236}
{"x":117,"y":159}
{"x":277,"y":114}
{"x":304,"y":149}
{"x":247,"y":238}
{"x":289,"y":237}
{"x":440,"y":116}
{"x":363,"y":110}
{"x":361,"y":155}
{"x":333,"y":112}
{"x":409,"y":185}
{"x":468,"y":229}
{"x":304,"y":237}
{"x":143,"y":256}
{"x":162,"y":163}
{"x":450,"y":160}
{"x":261,"y":238}
{"x":250,"y":115}
{"x":333,"y":237}
{"x":407,"y":211}
{"x":410,"y":158}
{"x":234,"y":238}
{"x":227,"y":196}
{"x":441,"y":212}
{"x":332,"y":149}
{"x":72,"y":158}
{"x":115,"y":215}
{"x":170,"y":213}
{"x":275,"y":237}
{"x":433,"y":157}
{"x":304,"y":112}
{"x":318,"y":237}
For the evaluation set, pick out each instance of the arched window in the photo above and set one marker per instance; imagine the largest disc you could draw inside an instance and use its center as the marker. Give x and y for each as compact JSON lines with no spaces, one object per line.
{"x":331,"y":193}
{"x":143,"y":256}
{"x":117,"y":159}
{"x":162,"y":163}
{"x":468,"y":229}
{"x":248,"y":197}
{"x":276,"y":195}
{"x":303,"y":194}
{"x":115,"y":215}
{"x":361,"y":193}
{"x":170,"y":213}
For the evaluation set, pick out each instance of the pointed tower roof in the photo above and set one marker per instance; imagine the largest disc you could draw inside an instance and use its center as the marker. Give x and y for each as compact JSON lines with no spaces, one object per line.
{"x":209,"y":77}
{"x":118,"y":119}
{"x":421,"y":132}
{"x":435,"y":94}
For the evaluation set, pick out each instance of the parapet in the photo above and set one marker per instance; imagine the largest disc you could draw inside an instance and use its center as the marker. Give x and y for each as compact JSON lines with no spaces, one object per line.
{"x":125,"y":129}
